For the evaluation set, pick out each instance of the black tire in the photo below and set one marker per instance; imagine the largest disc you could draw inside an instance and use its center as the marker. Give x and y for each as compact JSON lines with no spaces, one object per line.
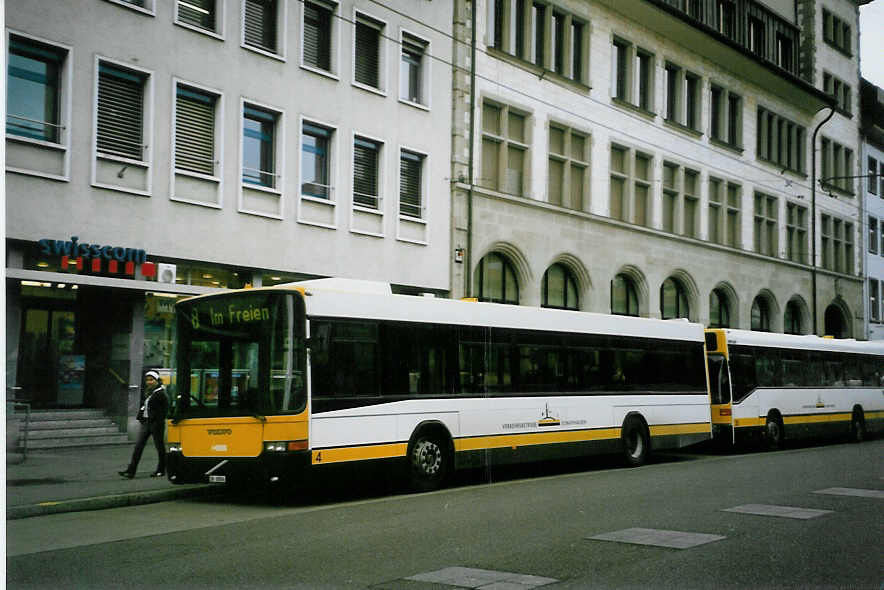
{"x":773,"y":432}
{"x":429,"y":462}
{"x":636,"y":441}
{"x":857,"y":427}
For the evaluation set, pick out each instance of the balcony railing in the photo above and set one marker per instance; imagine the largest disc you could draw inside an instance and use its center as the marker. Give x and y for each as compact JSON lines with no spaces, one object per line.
{"x":747,"y":23}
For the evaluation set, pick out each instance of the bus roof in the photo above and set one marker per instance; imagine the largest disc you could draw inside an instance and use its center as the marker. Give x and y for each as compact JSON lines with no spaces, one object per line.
{"x":804,"y":342}
{"x":345,"y":299}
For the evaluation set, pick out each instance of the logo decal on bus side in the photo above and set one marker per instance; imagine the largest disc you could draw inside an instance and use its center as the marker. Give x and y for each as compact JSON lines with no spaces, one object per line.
{"x":219,"y":431}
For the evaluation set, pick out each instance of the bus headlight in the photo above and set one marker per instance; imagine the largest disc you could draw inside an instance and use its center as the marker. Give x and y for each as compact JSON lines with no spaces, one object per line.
{"x":173,"y":447}
{"x":281,"y":446}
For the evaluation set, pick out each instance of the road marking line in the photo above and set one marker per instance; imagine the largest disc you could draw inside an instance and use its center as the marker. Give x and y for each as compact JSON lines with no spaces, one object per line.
{"x":781,"y":511}
{"x":659,"y":538}
{"x":852,"y":492}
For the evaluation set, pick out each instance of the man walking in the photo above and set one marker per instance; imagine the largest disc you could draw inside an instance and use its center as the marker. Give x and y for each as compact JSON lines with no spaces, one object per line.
{"x":152,"y":419}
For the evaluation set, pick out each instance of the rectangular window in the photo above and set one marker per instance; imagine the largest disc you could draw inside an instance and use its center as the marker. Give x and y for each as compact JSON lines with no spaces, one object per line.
{"x":673,"y":75}
{"x":259,"y":25}
{"x":367,"y":66}
{"x":195,"y":130}
{"x":726,"y":18}
{"x":840,"y":91}
{"x":645,"y":62}
{"x":618,"y":182}
{"x":780,"y":141}
{"x":837,"y":165}
{"x":558,"y":42}
{"x":873,"y":235}
{"x":873,"y":176}
{"x":120,"y":125}
{"x":538,"y":26}
{"x":756,"y":36}
{"x":837,"y":33}
{"x":315,"y":163}
{"x":631,"y":186}
{"x":366,"y":166}
{"x":197,"y":13}
{"x":785,"y":52}
{"x":411,"y":202}
{"x":766,"y":215}
{"x":33,"y":91}
{"x":796,"y":233}
{"x":259,"y":147}
{"x":504,"y":148}
{"x":716,"y":215}
{"x":411,"y":69}
{"x":826,"y":240}
{"x":691,"y":202}
{"x":317,"y":43}
{"x":726,"y":117}
{"x":621,"y":70}
{"x":874,"y":301}
{"x":679,"y":199}
{"x":568,"y":167}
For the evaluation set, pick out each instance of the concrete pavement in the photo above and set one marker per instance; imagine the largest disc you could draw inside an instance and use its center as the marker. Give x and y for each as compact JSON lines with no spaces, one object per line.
{"x":85,"y":478}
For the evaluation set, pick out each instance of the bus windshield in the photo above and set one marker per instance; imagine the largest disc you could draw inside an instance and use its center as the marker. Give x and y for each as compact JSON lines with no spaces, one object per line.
{"x":240,"y":354}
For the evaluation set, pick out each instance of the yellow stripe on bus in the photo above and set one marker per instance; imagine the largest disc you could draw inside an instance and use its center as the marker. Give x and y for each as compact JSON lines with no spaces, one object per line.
{"x":477,"y":443}
{"x":341,"y":454}
{"x":816,"y":418}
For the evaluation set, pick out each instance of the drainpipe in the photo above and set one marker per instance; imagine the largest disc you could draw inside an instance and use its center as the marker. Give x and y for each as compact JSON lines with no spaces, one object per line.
{"x":813,"y":216}
{"x":469,"y":257}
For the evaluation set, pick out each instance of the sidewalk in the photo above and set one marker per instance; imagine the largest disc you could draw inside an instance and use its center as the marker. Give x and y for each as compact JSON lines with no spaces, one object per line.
{"x":86,"y":478}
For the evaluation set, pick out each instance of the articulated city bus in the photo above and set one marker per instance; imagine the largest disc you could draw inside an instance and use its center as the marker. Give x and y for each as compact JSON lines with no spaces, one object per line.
{"x":271,"y":381}
{"x":778,"y":386}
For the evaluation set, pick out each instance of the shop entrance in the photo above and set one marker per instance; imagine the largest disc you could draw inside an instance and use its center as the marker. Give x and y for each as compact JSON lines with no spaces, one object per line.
{"x":51,"y":366}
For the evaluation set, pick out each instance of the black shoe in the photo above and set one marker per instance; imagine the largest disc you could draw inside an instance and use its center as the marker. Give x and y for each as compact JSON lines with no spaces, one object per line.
{"x":127,"y":474}
{"x":157,"y":474}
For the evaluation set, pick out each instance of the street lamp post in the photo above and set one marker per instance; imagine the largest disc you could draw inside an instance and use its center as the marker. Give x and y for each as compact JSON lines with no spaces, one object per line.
{"x":813,"y":216}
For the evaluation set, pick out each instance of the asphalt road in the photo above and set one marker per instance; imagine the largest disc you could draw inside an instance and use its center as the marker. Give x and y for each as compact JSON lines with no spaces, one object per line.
{"x":535,"y":521}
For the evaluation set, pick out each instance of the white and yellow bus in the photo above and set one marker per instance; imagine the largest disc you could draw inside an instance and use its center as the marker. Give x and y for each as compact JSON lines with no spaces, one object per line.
{"x":779,"y":386}
{"x":271,"y":381}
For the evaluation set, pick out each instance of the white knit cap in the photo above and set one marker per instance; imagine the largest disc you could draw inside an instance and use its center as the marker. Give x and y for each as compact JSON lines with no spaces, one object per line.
{"x":153,"y":374}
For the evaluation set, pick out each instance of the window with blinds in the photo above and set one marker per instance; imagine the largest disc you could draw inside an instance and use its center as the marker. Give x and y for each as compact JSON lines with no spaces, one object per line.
{"x":368,"y":51}
{"x":317,"y":35}
{"x":410,"y":172}
{"x":366,"y":156}
{"x":259,"y":23}
{"x":195,"y":131}
{"x":197,"y":13}
{"x":120,"y":129}
{"x":315,"y":165}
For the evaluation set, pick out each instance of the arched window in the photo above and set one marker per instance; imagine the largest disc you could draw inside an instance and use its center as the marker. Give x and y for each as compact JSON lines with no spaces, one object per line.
{"x":719,"y":310}
{"x":673,"y":300}
{"x":559,"y":288}
{"x":760,"y":315}
{"x":624,"y":296}
{"x":792,"y":319}
{"x":495,"y":280}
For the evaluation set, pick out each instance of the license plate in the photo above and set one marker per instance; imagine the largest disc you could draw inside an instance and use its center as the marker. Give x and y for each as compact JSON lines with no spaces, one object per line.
{"x":217,"y":479}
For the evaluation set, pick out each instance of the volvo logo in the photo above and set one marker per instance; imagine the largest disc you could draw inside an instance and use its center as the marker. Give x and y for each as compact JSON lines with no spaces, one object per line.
{"x":219,"y":431}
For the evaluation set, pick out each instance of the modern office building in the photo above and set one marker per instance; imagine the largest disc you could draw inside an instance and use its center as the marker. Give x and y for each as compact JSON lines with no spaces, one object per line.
{"x":872,"y":153}
{"x":162,"y":148}
{"x":661,"y":158}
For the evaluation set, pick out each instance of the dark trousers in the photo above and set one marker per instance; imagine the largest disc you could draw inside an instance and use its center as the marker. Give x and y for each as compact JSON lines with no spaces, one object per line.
{"x":145,"y":431}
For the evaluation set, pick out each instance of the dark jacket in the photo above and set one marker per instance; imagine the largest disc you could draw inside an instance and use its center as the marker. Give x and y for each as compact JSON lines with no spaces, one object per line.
{"x":157,"y":406}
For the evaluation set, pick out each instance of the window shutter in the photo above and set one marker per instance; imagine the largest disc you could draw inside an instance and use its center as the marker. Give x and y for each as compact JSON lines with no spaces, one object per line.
{"x":365,"y":173}
{"x":195,"y":131}
{"x":317,"y":36}
{"x":410,"y":184}
{"x":120,"y":113}
{"x":260,"y":24}
{"x":199,"y":13}
{"x":367,"y":52}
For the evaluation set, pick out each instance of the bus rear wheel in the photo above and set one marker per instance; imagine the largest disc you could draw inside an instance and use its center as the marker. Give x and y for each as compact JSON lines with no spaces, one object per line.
{"x":773,"y":432}
{"x":636,"y":441}
{"x":429,"y":462}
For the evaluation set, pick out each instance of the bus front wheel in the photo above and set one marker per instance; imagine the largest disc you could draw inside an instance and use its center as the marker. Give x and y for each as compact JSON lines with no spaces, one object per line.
{"x":773,"y":432}
{"x":429,"y":462}
{"x":636,"y":441}
{"x":857,"y":427}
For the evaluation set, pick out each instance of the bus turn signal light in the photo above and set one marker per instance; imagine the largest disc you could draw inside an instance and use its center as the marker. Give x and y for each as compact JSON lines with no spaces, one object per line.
{"x":724,"y":411}
{"x":298,"y":445}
